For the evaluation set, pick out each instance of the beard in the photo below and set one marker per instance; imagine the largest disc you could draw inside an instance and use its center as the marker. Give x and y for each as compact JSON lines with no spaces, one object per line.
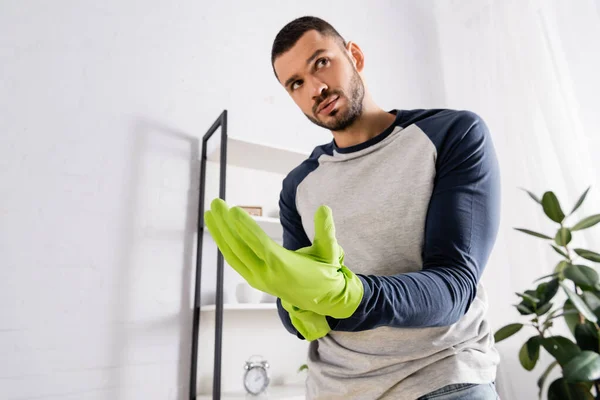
{"x":339,"y":120}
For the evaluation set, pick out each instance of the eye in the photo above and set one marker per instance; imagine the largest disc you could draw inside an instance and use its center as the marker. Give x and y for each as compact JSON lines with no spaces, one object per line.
{"x":293,"y":85}
{"x":322,"y":61}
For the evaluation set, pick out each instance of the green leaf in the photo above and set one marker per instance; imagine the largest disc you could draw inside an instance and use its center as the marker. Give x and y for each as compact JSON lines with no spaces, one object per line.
{"x":559,"y":251}
{"x":543,"y":309}
{"x":560,"y":267}
{"x":544,"y":376}
{"x":546,"y":291}
{"x":579,"y":304}
{"x":530,"y":299}
{"x":552,"y":207}
{"x":533,"y":233}
{"x":583,"y":276}
{"x":533,"y":347}
{"x":557,"y":313}
{"x":563,"y":237}
{"x":524,"y":309}
{"x":561,"y":348}
{"x":533,"y":196}
{"x":302,"y":367}
{"x":567,"y":312}
{"x":507,"y":331}
{"x":583,"y":367}
{"x":580,"y":201}
{"x":547,"y":276}
{"x":586,"y":336}
{"x":560,"y":389}
{"x":593,"y":302}
{"x":548,"y":324}
{"x":586,"y":222}
{"x":588,"y":255}
{"x":530,"y":352}
{"x":570,"y":319}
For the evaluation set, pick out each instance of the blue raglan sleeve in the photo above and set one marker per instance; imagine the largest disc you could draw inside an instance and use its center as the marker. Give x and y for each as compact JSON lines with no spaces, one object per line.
{"x":460,"y":230}
{"x":294,"y":237}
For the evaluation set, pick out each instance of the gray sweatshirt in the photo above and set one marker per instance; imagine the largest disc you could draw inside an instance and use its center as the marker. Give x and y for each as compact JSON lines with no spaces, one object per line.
{"x":416,"y":210}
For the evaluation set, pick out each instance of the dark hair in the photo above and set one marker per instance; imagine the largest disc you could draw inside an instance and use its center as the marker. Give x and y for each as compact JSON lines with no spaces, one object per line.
{"x":290,"y":33}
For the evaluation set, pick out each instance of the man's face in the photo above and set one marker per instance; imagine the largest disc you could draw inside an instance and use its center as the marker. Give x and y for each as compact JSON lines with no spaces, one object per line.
{"x":316,"y":71}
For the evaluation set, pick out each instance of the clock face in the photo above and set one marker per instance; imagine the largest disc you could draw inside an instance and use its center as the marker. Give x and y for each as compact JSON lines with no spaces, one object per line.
{"x":256,"y":380}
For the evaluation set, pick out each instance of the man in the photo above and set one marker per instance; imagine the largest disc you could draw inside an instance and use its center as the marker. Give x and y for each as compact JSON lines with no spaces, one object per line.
{"x":391,"y":297}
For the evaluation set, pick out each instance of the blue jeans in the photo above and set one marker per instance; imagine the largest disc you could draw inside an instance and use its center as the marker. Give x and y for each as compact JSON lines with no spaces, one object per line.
{"x":464,"y":391}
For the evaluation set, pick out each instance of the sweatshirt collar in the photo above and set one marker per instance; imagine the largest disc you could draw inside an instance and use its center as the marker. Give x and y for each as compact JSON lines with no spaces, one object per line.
{"x":374,"y":140}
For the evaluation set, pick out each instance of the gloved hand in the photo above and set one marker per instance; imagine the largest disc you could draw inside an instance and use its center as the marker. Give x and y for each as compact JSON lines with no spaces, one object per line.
{"x":312,"y":278}
{"x":311,"y":325}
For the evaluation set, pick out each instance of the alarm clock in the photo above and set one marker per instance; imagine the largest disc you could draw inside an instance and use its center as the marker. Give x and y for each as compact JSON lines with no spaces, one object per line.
{"x":256,"y":376}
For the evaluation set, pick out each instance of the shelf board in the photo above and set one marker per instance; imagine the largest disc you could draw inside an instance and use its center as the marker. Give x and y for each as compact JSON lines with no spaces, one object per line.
{"x":240,"y":306}
{"x":271,"y":226}
{"x":286,"y":392}
{"x":245,"y":154}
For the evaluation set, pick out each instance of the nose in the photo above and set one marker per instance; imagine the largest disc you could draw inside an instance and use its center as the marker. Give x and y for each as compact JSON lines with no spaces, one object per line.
{"x":318,"y":89}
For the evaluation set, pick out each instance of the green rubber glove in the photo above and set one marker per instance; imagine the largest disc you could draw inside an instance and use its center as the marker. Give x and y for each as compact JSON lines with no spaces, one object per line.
{"x":312,"y":279}
{"x":311,"y":325}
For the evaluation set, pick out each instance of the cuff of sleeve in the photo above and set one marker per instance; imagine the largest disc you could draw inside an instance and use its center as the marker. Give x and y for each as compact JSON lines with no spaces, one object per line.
{"x":351,"y":323}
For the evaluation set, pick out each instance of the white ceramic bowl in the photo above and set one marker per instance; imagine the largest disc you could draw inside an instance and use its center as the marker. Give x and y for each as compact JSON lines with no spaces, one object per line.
{"x":246,"y":294}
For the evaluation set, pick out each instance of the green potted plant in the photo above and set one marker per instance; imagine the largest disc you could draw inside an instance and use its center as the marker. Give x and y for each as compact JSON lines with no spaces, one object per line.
{"x":578,"y":356}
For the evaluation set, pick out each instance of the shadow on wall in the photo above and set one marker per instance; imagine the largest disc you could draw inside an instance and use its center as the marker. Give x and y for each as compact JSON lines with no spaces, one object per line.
{"x":152,"y":310}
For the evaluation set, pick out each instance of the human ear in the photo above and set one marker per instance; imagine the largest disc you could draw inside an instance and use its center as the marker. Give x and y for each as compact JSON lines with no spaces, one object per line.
{"x":356,"y":55}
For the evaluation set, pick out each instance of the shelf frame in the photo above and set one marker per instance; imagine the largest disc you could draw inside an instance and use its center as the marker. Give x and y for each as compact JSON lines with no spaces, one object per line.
{"x":220,"y":122}
{"x":241,"y":307}
{"x":281,"y":162}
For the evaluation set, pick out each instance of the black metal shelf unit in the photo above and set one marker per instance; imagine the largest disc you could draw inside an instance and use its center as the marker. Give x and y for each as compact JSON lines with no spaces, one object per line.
{"x":220,"y":122}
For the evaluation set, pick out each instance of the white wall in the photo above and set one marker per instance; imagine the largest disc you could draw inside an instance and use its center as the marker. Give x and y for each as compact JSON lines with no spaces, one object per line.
{"x":530,"y":69}
{"x":102,"y":106}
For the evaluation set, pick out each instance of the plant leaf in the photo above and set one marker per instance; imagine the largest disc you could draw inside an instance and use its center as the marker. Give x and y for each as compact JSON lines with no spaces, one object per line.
{"x":563,"y":237}
{"x":533,"y":196}
{"x":540,"y":235}
{"x":580,"y":201}
{"x":529,"y":298}
{"x":582,"y":275}
{"x":571,"y":311}
{"x":552,"y":275}
{"x":552,"y":207}
{"x":561,"y":348}
{"x":583,"y":367}
{"x":586,"y":222}
{"x":559,"y":251}
{"x":530,"y":352}
{"x":524,"y":309}
{"x":302,"y":367}
{"x":544,"y":376}
{"x":507,"y":331}
{"x":560,"y":267}
{"x":586,"y":336}
{"x":543,"y":309}
{"x":533,"y":347}
{"x":588,"y":255}
{"x":560,"y":389}
{"x":570,"y":319}
{"x":593,"y":302}
{"x":579,"y":304}
{"x":546,"y":291}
